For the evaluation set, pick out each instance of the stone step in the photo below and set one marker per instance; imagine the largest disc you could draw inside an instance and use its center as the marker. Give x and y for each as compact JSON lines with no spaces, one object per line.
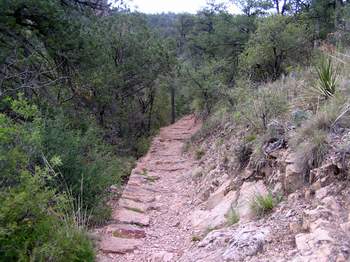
{"x":141,"y":198}
{"x":143,"y":189}
{"x":131,"y":217}
{"x":125,"y":231}
{"x":133,"y":205}
{"x":173,"y":169}
{"x":119,"y":245}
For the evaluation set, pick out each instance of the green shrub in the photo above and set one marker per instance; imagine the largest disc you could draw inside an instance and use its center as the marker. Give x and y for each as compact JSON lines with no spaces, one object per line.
{"x":33,"y":226}
{"x":88,"y":166}
{"x":232,"y":217}
{"x":264,"y":105}
{"x":142,"y":146}
{"x":263,"y":204}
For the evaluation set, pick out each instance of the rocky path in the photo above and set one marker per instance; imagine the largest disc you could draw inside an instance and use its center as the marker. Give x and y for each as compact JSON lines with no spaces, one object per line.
{"x":149,"y":222}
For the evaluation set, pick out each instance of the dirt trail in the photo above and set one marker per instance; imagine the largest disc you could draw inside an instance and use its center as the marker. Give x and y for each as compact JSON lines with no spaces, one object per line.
{"x":149,"y":223}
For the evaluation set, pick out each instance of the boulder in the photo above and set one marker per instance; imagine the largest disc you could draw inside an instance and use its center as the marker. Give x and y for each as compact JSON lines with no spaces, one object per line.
{"x":218,"y":195}
{"x":249,"y":190}
{"x":293,"y":178}
{"x":203,"y":220}
{"x":246,"y":242}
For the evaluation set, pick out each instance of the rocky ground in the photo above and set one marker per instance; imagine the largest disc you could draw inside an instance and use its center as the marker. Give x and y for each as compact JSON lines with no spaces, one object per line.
{"x":176,"y":208}
{"x":149,"y":220}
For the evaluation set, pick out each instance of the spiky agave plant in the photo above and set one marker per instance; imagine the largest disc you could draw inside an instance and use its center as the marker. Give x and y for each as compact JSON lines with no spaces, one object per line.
{"x":327,"y":79}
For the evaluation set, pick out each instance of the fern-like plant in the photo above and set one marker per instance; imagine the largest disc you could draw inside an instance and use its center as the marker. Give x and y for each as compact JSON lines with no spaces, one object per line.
{"x":327,"y":79}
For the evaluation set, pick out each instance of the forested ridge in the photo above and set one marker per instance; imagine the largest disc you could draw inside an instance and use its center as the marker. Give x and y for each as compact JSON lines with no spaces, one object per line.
{"x":84,"y":86}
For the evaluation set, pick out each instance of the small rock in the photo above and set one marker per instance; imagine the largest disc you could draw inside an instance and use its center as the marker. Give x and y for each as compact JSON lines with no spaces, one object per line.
{"x":321,"y":193}
{"x":345,"y":227}
{"x":295,"y":227}
{"x":332,"y":204}
{"x":317,"y":185}
{"x":125,"y":231}
{"x":114,"y":189}
{"x":162,"y":256}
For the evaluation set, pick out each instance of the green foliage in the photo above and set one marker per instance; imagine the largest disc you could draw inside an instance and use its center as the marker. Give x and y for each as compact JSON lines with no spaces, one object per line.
{"x":327,"y":79}
{"x":31,"y":225}
{"x":232,"y":217}
{"x":264,"y":105}
{"x":263,"y":204}
{"x":88,"y":165}
{"x":311,"y":142}
{"x":206,"y":86}
{"x":196,"y":239}
{"x":199,"y":154}
{"x":279,"y":42}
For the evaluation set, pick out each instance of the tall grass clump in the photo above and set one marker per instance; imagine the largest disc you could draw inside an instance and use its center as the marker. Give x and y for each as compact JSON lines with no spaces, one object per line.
{"x":263,"y":204}
{"x":232,"y":217}
{"x":310,"y":141}
{"x":263,"y":106}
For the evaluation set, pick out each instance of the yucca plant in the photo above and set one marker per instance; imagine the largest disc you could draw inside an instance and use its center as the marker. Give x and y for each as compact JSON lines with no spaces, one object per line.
{"x":327,"y":79}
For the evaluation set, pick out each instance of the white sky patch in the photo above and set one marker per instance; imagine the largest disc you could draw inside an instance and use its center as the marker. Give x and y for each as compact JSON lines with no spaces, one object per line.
{"x":174,"y":6}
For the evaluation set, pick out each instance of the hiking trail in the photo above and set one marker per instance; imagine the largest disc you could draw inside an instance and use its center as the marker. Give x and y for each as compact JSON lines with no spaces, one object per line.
{"x":150,"y":220}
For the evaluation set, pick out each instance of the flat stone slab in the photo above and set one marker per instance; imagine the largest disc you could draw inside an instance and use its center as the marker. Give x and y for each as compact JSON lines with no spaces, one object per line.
{"x":119,"y":245}
{"x":131,"y":217}
{"x":133,"y":205}
{"x":125,"y":231}
{"x":143,"y":198}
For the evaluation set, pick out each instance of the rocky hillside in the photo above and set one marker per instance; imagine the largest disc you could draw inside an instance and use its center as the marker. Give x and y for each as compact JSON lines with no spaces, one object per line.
{"x":272,"y":212}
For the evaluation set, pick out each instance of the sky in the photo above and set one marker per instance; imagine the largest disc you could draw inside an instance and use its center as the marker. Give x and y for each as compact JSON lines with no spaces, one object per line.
{"x":175,"y":6}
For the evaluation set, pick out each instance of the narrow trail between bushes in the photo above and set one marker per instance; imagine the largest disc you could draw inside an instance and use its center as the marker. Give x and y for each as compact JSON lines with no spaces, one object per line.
{"x":149,"y":221}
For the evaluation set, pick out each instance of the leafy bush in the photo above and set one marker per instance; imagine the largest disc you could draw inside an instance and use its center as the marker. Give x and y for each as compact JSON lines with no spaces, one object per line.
{"x":35,"y":221}
{"x":279,"y":42}
{"x":88,"y":166}
{"x":33,"y":226}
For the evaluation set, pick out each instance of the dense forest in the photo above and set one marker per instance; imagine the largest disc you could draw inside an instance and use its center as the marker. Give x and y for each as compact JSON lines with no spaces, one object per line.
{"x":84,"y":86}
